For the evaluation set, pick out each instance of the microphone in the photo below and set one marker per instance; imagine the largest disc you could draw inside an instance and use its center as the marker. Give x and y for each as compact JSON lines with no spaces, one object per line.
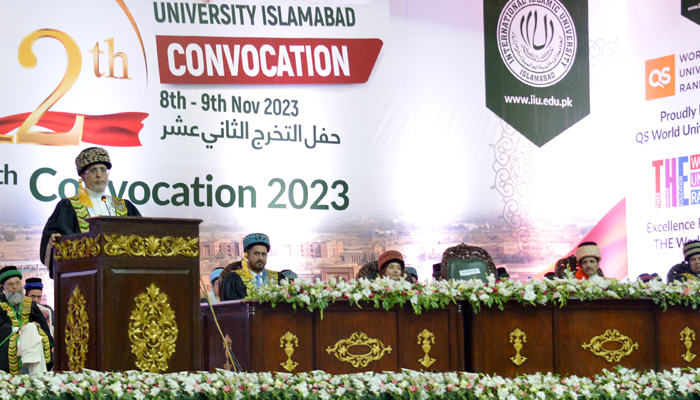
{"x":104,"y":200}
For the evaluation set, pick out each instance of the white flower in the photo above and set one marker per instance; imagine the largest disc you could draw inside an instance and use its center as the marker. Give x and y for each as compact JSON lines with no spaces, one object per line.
{"x":529,"y":295}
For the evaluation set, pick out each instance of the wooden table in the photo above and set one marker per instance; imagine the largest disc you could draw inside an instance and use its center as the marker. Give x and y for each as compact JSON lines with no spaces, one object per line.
{"x":582,"y":338}
{"x":345,"y":339}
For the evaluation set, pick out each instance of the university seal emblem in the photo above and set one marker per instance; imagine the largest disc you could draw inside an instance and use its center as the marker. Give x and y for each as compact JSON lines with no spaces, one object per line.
{"x":537,"y":41}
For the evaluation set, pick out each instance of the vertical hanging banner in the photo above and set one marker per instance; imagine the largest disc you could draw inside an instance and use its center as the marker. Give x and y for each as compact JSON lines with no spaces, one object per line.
{"x":691,"y":10}
{"x":536,"y":55}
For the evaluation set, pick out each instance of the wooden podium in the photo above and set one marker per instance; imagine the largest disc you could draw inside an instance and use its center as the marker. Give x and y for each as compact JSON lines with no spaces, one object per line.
{"x":127,"y":296}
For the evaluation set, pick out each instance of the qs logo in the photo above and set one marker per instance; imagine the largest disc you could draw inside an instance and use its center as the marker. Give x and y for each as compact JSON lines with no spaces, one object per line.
{"x":660,"y":77}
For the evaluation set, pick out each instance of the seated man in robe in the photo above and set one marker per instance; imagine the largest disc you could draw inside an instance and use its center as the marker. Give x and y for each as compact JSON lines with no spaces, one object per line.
{"x":17,"y":312}
{"x":93,"y":165}
{"x":688,"y":270}
{"x":588,"y":258}
{"x":253,"y":273}
{"x":34,"y":289}
{"x":214,"y":280}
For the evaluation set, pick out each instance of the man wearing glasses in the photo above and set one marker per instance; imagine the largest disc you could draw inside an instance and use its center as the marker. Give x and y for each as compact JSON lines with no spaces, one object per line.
{"x":93,"y":165}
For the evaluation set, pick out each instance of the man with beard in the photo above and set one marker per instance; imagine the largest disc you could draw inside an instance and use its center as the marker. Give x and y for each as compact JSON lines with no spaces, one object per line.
{"x":253,"y":273}
{"x":17,"y":312}
{"x":93,"y":165}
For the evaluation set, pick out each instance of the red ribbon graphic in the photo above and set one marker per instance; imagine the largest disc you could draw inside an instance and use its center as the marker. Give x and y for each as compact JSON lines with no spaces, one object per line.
{"x":119,"y":130}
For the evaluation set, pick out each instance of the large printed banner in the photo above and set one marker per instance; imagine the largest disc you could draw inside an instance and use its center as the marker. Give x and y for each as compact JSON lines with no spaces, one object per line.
{"x":344,"y":129}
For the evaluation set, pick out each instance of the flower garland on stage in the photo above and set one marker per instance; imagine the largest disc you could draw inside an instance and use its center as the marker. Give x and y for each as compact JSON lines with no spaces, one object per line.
{"x":620,"y":384}
{"x":386,"y":293}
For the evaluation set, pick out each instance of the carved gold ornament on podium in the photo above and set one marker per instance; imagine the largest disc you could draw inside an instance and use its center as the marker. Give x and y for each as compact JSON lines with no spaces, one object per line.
{"x":688,"y":337}
{"x":342,"y":352}
{"x":85,"y":247}
{"x":518,"y":337}
{"x":77,"y":331}
{"x":289,"y":341}
{"x":627,"y":345}
{"x":152,"y":330}
{"x":425,"y":339}
{"x":137,"y":246}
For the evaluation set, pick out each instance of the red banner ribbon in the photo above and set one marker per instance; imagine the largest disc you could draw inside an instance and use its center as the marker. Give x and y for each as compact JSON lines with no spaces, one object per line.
{"x":118,"y":130}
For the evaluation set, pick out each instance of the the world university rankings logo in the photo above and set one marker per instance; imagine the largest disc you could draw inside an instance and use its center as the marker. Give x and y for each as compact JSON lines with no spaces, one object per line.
{"x":537,"y":41}
{"x":536,"y":55}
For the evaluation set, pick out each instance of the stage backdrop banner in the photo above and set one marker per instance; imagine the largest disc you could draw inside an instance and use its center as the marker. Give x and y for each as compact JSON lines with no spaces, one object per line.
{"x":345,"y":129}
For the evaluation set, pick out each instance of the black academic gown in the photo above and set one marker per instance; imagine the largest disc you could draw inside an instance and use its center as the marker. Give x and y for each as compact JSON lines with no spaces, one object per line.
{"x":233,"y":288}
{"x":35,"y":315}
{"x":65,"y":221}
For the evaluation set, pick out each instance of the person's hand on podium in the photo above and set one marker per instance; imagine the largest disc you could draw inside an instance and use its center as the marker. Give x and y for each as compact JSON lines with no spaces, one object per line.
{"x":49,"y":246}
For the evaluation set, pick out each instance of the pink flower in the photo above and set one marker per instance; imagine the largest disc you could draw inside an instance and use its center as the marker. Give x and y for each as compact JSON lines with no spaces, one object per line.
{"x":394,"y":381}
{"x":450,"y":387}
{"x":129,"y":390}
{"x":522,"y":293}
{"x":314,"y":390}
{"x":686,"y":291}
{"x":470,"y":385}
{"x":412,"y":389}
{"x":227,"y":389}
{"x":209,"y":381}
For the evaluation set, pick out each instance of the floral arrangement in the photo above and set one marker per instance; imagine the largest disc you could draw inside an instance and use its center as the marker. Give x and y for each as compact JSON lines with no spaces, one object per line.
{"x":387,"y":293}
{"x":620,"y":384}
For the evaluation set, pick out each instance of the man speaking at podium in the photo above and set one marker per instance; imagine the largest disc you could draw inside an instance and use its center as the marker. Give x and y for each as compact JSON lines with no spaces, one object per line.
{"x":93,"y":165}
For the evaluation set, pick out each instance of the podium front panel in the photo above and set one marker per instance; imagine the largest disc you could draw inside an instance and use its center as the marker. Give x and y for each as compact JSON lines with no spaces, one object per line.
{"x":82,"y":315}
{"x":140,"y":282}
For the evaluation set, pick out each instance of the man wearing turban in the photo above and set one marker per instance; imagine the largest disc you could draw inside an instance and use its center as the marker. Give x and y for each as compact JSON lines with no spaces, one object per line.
{"x":253,"y":273}
{"x":93,"y":165}
{"x":17,"y":312}
{"x":588,"y":258}
{"x":688,"y":270}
